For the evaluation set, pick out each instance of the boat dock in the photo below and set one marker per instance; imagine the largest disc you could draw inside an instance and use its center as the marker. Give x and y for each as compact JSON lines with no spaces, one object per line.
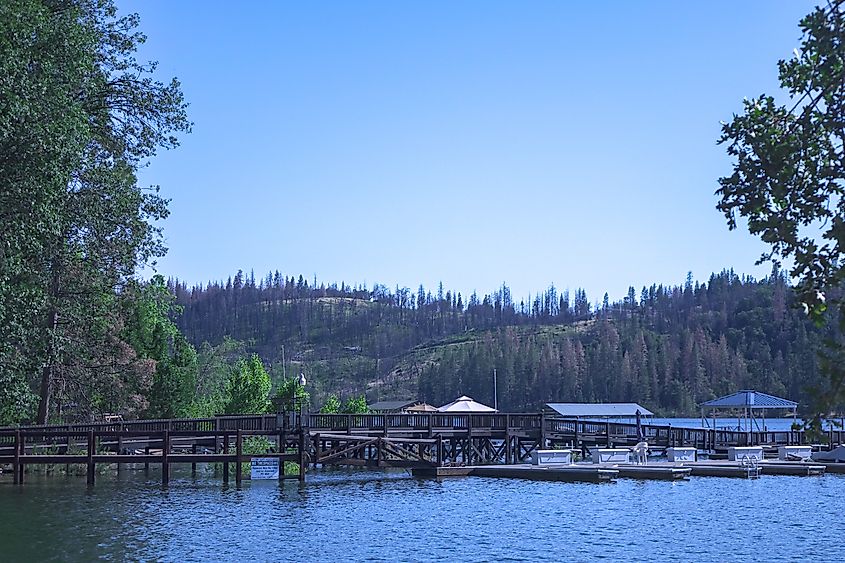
{"x":583,"y":473}
{"x":439,"y":444}
{"x":608,"y":472}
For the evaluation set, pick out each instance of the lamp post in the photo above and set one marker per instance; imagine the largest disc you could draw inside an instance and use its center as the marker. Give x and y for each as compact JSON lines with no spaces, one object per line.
{"x":297,"y":399}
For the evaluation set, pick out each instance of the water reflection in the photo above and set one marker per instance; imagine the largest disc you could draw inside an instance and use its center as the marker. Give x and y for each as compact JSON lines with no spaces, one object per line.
{"x":389,"y":516}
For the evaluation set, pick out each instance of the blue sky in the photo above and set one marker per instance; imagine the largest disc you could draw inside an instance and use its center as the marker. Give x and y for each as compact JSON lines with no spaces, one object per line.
{"x":472,"y":143}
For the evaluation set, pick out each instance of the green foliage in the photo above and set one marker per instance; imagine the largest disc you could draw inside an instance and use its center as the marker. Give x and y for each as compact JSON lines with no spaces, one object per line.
{"x":79,"y":116}
{"x":214,"y":368}
{"x":154,"y":336}
{"x":788,"y":180}
{"x":290,"y":394}
{"x":355,"y":405}
{"x":666,"y":347}
{"x":252,"y":445}
{"x":249,"y":388}
{"x":352,"y":405}
{"x":331,"y":406}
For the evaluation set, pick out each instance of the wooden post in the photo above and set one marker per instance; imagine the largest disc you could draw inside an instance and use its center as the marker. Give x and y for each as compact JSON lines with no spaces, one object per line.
{"x":430,"y":419}
{"x":90,"y":458}
{"x":67,"y":452}
{"x":379,"y":452}
{"x":607,"y":434}
{"x":316,"y":450}
{"x":225,"y":463}
{"x":508,"y":451}
{"x":349,"y":424}
{"x":542,"y":431}
{"x":147,"y":462}
{"x":238,"y":452}
{"x":577,"y":443}
{"x":119,"y":445}
{"x":16,"y":463}
{"x":467,"y":444}
{"x":194,"y":463}
{"x":439,"y":450}
{"x":165,"y":462}
{"x":281,"y":449}
{"x":302,"y":442}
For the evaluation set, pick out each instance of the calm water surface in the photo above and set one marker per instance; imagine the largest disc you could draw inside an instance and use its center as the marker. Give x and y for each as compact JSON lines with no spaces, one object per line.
{"x":390,"y":516}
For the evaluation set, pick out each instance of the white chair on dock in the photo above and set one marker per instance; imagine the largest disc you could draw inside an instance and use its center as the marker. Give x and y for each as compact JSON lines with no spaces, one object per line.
{"x":641,"y":453}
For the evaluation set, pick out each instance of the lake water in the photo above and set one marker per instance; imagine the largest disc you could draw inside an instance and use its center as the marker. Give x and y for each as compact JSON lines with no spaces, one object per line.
{"x":360,"y":515}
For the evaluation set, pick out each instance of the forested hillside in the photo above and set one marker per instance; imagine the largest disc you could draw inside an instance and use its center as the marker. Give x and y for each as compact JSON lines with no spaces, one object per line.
{"x":666,"y":347}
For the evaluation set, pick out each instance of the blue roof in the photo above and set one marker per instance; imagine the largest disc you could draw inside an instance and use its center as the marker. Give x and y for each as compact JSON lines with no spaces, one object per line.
{"x":599,"y":409}
{"x":751,"y":399}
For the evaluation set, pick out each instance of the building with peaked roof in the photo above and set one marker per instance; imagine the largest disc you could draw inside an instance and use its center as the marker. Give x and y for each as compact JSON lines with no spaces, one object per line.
{"x":422,"y":407}
{"x":599,"y":410}
{"x":744,"y":404}
{"x":391,"y":406}
{"x":464,"y":404}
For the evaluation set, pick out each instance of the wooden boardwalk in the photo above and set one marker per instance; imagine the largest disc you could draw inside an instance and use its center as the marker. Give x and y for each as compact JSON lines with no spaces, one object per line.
{"x":22,"y":447}
{"x":424,"y":440}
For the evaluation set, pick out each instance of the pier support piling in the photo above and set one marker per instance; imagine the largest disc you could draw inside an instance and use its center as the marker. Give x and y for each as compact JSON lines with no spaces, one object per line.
{"x":165,"y":462}
{"x":16,"y":463}
{"x":302,"y":442}
{"x":194,"y":463}
{"x":238,"y":454}
{"x":91,"y":467}
{"x":225,"y":463}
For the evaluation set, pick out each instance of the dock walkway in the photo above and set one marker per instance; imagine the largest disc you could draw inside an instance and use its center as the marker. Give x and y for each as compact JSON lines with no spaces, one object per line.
{"x":419,"y":441}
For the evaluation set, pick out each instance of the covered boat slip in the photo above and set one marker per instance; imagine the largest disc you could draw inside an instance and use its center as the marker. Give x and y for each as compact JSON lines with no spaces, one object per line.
{"x":599,"y":410}
{"x":745,"y":405}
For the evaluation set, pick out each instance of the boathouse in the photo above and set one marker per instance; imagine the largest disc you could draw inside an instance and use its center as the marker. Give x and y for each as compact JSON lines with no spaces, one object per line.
{"x":391,"y":407}
{"x":599,"y":410}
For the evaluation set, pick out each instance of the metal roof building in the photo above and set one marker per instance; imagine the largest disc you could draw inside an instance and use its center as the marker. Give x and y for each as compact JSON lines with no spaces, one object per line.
{"x":598,"y":410}
{"x":744,"y":403}
{"x":391,"y":406}
{"x":752,"y":400}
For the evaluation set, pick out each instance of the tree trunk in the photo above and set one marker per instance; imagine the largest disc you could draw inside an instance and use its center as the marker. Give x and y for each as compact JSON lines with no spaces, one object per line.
{"x":47,"y":371}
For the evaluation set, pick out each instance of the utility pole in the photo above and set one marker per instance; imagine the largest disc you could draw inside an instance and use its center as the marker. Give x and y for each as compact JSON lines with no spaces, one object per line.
{"x":495,"y":391}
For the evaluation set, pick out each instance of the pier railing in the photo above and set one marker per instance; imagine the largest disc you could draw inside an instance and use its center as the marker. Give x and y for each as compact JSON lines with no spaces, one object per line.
{"x":498,"y":425}
{"x":225,"y":422}
{"x":184,"y":444}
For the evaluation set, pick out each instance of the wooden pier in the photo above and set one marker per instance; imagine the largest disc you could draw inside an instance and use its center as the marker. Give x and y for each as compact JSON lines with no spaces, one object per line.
{"x":22,"y":448}
{"x":421,"y":441}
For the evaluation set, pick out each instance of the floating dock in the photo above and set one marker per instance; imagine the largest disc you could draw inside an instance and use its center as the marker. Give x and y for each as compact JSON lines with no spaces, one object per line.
{"x":583,"y":472}
{"x":831,"y":467}
{"x":592,"y":473}
{"x":701,"y":469}
{"x":722,"y":468}
{"x":566,"y":473}
{"x":653,"y":471}
{"x":797,"y":468}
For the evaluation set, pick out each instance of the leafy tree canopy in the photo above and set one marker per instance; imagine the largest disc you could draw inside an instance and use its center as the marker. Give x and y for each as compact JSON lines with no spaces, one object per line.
{"x":789,"y":176}
{"x":80,"y":115}
{"x":331,"y":406}
{"x":249,"y":388}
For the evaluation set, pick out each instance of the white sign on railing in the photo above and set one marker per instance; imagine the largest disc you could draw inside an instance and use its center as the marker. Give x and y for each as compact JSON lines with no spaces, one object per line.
{"x":264,"y":468}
